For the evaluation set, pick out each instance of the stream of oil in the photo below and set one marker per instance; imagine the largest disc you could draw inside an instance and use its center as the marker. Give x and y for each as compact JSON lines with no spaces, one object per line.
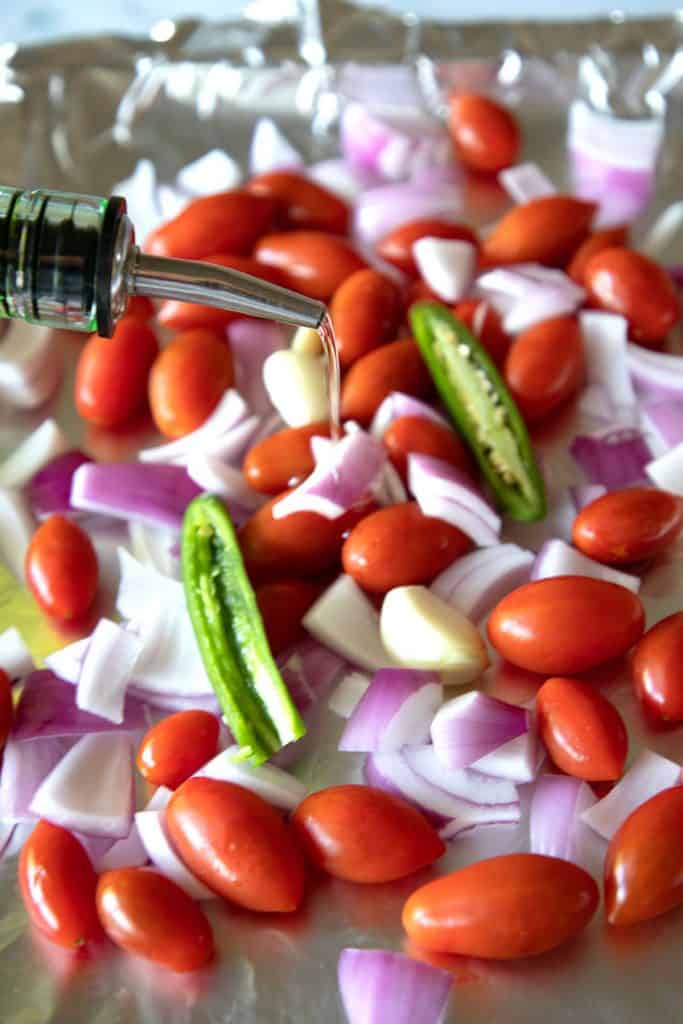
{"x":329,"y":343}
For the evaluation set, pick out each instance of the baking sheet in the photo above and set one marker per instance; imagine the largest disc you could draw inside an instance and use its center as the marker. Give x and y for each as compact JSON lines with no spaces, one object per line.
{"x":78,"y":115}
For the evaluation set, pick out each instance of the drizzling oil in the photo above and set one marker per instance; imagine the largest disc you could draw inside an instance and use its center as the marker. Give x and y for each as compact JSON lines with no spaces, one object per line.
{"x":329,"y":343}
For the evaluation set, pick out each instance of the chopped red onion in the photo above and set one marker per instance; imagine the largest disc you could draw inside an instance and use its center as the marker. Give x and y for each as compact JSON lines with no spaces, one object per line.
{"x":475,"y":582}
{"x":395,"y":711}
{"x":106,"y":671}
{"x":528,"y":293}
{"x":15,"y":657}
{"x":379,"y":210}
{"x":125,"y":853}
{"x":270,"y":782}
{"x":153,"y":836}
{"x":173,"y":701}
{"x":91,"y":788}
{"x":95,"y":846}
{"x":658,"y":376}
{"x":169,"y":666}
{"x":216,"y":171}
{"x":30,"y":365}
{"x":68,"y":661}
{"x":474,"y":815}
{"x":393,"y":773}
{"x":24,"y":767}
{"x":557,"y":804}
{"x":664,"y":423}
{"x":556,"y":558}
{"x":613,"y":458}
{"x":159,"y":799}
{"x":251,"y":342}
{"x":270,"y":150}
{"x":17,"y":530}
{"x":605,"y":337}
{"x":371,"y":980}
{"x":663,"y":232}
{"x":230,"y":411}
{"x":211,"y":473}
{"x":33,"y":454}
{"x":340,"y":177}
{"x":473,"y":725}
{"x":395,"y":406}
{"x":373,"y":775}
{"x":309,"y":670}
{"x":345,"y":472}
{"x":154,"y":494}
{"x":613,"y":161}
{"x":518,"y":760}
{"x":447,"y":493}
{"x":47,"y":709}
{"x":649,"y":774}
{"x":447,"y":266}
{"x":667,"y":471}
{"x":525,"y":182}
{"x":584,"y":494}
{"x":49,"y":490}
{"x":348,"y":693}
{"x":154,"y":546}
{"x":388,"y":489}
{"x":394,"y":146}
{"x":461,"y":782}
{"x":344,"y":619}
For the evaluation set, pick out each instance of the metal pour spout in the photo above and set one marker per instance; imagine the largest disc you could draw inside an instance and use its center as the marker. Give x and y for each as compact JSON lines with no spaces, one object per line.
{"x":161,"y":277}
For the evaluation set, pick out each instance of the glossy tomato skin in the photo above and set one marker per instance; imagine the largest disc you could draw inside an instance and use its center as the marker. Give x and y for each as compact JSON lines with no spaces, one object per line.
{"x":517,"y":905}
{"x":397,"y":366}
{"x":365,"y":835}
{"x":365,"y":311}
{"x":628,"y":283}
{"x":6,"y":708}
{"x":283,"y":604}
{"x":644,"y":861}
{"x":566,"y":624}
{"x":225,"y":222}
{"x":377,"y":563}
{"x":177,"y":746}
{"x":582,"y":731}
{"x":140,"y":306}
{"x":545,"y":367}
{"x":112,"y":373}
{"x":656,"y":670}
{"x":397,"y":247}
{"x":61,"y":568}
{"x":188,"y":380}
{"x":303,"y":544}
{"x":485,"y":133}
{"x":628,"y":526}
{"x":182,"y":316}
{"x":237,"y":844}
{"x":58,"y":884}
{"x":419,"y":435}
{"x":596,"y":242}
{"x":311,"y":262}
{"x":147,"y":914}
{"x":545,"y":230}
{"x":486,"y":325}
{"x":282,"y":460}
{"x":304,"y":203}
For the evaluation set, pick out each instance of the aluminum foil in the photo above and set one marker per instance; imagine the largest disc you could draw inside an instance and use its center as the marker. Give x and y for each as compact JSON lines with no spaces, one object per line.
{"x":78,"y":115}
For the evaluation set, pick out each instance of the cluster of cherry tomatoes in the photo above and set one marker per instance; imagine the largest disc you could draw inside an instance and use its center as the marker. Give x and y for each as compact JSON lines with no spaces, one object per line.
{"x":285,"y":228}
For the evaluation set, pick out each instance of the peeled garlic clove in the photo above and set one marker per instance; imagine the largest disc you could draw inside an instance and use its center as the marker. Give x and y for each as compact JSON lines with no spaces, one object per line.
{"x":296,"y":385}
{"x":308,"y":341}
{"x":419,"y":630}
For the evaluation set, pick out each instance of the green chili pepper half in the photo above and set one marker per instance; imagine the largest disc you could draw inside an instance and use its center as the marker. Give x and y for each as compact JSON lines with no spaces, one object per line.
{"x":482,"y":409}
{"x":229,"y":630}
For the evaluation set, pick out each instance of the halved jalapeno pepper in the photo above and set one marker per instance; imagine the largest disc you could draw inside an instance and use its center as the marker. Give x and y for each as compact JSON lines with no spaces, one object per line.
{"x":482,"y":409}
{"x":255,"y":702}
